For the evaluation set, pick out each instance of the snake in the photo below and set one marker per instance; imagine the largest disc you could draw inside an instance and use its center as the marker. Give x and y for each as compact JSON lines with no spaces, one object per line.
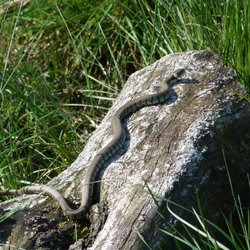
{"x":118,"y":139}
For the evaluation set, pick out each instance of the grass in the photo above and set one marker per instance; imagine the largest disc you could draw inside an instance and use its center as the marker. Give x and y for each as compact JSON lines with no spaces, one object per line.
{"x":62,"y":63}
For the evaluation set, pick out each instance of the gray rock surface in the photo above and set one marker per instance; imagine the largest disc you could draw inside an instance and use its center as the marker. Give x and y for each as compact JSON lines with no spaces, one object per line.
{"x":174,"y":148}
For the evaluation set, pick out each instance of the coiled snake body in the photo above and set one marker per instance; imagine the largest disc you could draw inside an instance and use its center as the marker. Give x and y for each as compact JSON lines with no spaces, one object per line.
{"x":112,"y":147}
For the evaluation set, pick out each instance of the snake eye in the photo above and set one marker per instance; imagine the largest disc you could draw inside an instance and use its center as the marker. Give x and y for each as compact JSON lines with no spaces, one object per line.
{"x":157,"y":87}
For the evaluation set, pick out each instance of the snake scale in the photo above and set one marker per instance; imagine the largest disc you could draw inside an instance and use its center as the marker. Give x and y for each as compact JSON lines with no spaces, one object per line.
{"x":105,"y":153}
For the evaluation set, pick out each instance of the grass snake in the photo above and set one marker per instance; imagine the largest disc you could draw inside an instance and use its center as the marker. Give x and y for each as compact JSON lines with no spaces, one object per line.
{"x":104,"y":154}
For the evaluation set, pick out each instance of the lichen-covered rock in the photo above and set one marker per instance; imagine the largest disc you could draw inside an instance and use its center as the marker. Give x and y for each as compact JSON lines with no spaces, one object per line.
{"x":174,"y":148}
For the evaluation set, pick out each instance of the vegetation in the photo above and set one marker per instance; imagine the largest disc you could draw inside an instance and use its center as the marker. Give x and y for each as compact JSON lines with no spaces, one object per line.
{"x":62,"y":63}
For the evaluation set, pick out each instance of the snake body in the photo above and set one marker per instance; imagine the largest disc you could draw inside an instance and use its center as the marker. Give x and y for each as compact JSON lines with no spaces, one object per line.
{"x":105,"y":153}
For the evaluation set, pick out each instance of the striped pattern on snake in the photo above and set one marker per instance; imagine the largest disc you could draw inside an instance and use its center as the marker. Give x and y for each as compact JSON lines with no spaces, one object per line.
{"x":106,"y":152}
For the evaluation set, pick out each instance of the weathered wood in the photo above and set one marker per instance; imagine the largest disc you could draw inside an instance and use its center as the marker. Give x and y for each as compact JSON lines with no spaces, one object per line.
{"x":174,"y":148}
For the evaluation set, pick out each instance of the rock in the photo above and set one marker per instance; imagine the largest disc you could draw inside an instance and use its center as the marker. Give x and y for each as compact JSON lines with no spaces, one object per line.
{"x":174,"y":148}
